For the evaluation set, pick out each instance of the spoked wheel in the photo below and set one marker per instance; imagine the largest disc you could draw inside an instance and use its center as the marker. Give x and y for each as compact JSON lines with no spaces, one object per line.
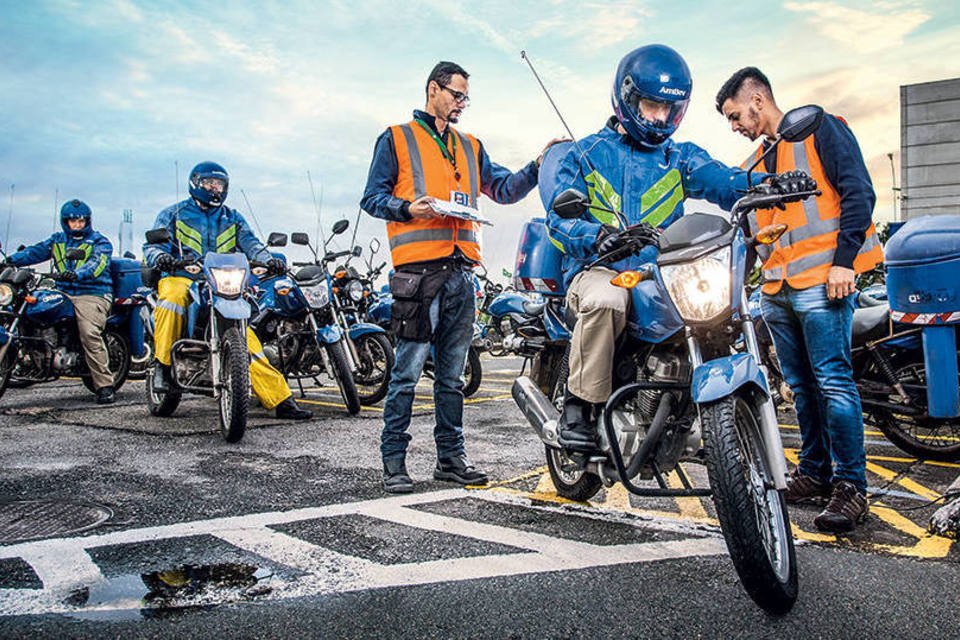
{"x":373,"y":370}
{"x":752,"y":513}
{"x":118,"y":360}
{"x":570,"y":479}
{"x":160,"y":404}
{"x":922,"y":437}
{"x":234,"y":384}
{"x":343,"y":376}
{"x":472,"y":373}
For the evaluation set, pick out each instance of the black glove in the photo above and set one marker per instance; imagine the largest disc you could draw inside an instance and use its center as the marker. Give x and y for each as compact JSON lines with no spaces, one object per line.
{"x":276,"y":265}
{"x":792,"y":182}
{"x":67,"y":276}
{"x":608,"y":239}
{"x":643,"y":235}
{"x":165,"y":262}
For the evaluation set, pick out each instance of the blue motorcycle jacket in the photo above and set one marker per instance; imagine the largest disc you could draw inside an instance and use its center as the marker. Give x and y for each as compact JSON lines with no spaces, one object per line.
{"x":93,"y":270}
{"x":218,"y":230}
{"x":645,"y":185}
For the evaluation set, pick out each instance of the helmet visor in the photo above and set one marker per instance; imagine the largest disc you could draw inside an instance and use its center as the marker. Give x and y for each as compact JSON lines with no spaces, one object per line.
{"x":662,"y":114}
{"x":213,"y":185}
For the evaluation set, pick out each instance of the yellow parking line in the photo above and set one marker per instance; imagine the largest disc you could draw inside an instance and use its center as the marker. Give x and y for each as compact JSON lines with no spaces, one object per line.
{"x":908,"y":484}
{"x":934,"y":463}
{"x":338,"y":405}
{"x":794,"y":427}
{"x":496,"y":398}
{"x":689,"y":507}
{"x":617,"y":497}
{"x":928,"y":546}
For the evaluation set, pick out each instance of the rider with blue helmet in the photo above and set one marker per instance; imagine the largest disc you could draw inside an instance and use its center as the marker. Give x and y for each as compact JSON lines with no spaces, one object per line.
{"x":86,"y":281}
{"x":632,"y":166}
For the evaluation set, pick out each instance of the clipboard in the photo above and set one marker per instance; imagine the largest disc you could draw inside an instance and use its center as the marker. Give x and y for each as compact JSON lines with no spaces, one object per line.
{"x":456,"y":210}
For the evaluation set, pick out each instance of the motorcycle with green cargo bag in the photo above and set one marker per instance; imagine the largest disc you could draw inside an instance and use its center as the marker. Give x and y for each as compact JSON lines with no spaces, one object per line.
{"x":680,"y":392}
{"x":212,"y":358}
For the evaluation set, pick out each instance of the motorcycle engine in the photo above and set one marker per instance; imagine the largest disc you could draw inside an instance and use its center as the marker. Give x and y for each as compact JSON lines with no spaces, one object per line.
{"x":64,"y":359}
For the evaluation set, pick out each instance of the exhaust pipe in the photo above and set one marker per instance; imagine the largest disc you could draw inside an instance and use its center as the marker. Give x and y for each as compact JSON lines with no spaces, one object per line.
{"x":539,"y":411}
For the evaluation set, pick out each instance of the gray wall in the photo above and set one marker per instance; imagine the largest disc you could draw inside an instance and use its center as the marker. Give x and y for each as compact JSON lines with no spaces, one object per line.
{"x":930,"y":148}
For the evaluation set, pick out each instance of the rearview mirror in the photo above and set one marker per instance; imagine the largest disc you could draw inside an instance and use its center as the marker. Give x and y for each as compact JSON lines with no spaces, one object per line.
{"x":340,"y":226}
{"x":158,"y":236}
{"x":75,"y":254}
{"x":374,"y":246}
{"x":357,"y":250}
{"x":299,"y":238}
{"x":799,"y":123}
{"x":277,"y":239}
{"x":570,"y":204}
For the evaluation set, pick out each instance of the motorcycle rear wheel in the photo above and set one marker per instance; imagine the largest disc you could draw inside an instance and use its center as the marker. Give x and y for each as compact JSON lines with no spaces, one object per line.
{"x":234,"y":384}
{"x":472,"y":373}
{"x":753,"y":515}
{"x":118,"y":359}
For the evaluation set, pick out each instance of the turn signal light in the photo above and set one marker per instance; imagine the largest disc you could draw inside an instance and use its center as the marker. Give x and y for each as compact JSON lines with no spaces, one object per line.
{"x":30,"y":299}
{"x":283,"y":292}
{"x":628,"y":279}
{"x":340,"y":274}
{"x":771,"y":233}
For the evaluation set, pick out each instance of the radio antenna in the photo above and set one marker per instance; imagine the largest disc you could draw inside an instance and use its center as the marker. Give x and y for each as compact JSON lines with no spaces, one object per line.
{"x":316,"y":206}
{"x":252,"y":214}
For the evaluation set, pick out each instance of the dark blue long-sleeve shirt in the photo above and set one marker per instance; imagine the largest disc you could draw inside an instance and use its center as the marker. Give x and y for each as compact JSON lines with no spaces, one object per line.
{"x":496,"y":182}
{"x":845,"y":169}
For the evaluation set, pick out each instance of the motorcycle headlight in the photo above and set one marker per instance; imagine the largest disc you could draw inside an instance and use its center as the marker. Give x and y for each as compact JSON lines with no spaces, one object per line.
{"x":317,"y":295}
{"x":355,"y":290}
{"x":700,"y":289}
{"x":228,"y":282}
{"x":6,"y":294}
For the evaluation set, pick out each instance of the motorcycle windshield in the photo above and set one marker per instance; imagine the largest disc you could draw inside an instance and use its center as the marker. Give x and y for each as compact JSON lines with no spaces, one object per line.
{"x":693,"y":229}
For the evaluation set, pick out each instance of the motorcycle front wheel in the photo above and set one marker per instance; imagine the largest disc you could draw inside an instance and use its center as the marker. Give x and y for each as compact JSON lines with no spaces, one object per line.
{"x":118,"y":360}
{"x":234,"y":384}
{"x":7,"y":367}
{"x":160,"y":404}
{"x":343,"y":376}
{"x":373,"y":369}
{"x":753,"y":514}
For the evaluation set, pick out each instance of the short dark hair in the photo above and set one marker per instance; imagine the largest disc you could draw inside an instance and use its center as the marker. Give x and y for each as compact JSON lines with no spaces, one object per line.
{"x":732,"y":86}
{"x":443,"y":72}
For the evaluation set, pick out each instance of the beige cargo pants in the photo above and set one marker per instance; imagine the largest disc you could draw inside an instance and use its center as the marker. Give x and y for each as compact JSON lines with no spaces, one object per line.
{"x":601,"y":316}
{"x":91,"y":319}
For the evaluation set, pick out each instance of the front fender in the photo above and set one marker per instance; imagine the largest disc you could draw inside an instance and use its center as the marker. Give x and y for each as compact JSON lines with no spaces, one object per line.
{"x":362,"y":329}
{"x":237,"y":309}
{"x":329,"y":334}
{"x":721,"y":377}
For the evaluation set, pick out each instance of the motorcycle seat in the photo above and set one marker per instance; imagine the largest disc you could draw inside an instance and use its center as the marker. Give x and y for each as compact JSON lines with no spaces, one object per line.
{"x":870,"y":323}
{"x":533,"y":308}
{"x":865,"y":300}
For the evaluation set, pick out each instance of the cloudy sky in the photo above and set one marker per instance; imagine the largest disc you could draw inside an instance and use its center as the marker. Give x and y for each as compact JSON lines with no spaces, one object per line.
{"x":106,"y":100}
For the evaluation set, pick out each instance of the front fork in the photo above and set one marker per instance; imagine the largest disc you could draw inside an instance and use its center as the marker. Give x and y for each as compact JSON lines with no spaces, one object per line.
{"x":11,"y":330}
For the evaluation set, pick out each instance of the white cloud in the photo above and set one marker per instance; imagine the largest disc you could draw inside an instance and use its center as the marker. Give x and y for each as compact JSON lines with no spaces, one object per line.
{"x":865,"y":31}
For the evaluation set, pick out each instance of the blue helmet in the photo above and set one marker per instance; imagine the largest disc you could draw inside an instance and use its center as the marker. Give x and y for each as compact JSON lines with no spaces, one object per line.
{"x":652,"y":79}
{"x":75,"y":210}
{"x":204,"y":181}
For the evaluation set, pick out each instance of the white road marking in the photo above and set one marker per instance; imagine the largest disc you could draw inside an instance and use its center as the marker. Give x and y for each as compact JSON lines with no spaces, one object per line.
{"x":64,"y":565}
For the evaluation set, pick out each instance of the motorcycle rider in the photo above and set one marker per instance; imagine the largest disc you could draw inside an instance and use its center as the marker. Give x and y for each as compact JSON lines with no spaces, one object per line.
{"x":86,"y":281}
{"x":200,"y":224}
{"x":631,"y":166}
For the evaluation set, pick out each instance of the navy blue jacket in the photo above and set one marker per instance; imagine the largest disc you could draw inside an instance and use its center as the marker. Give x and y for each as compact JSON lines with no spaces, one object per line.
{"x":93,"y":271}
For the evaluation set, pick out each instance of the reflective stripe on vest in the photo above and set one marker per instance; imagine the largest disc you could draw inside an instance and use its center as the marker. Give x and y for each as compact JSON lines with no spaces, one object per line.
{"x":59,"y":252}
{"x":189,"y":237}
{"x":227,"y":241}
{"x":804,"y":254}
{"x":423,"y":170}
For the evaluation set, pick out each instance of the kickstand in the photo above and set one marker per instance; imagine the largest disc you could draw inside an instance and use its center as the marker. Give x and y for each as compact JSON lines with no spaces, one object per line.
{"x":303,"y":394}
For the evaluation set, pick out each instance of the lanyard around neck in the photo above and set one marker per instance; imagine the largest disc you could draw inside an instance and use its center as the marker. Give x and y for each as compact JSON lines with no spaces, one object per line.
{"x":451,"y":157}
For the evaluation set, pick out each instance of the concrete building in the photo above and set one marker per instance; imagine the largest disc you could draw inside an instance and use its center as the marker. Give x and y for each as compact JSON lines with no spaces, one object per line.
{"x":930,"y":148}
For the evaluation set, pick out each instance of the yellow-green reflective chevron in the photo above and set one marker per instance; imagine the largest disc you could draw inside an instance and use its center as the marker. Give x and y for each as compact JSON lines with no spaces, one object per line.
{"x":670,"y":182}
{"x":59,"y":261}
{"x":101,"y":265}
{"x":190,"y":237}
{"x":227,"y":241}
{"x":555,"y":243}
{"x":602,"y":193}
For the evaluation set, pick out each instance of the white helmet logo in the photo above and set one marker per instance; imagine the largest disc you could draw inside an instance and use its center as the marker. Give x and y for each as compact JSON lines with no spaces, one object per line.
{"x":673,"y":92}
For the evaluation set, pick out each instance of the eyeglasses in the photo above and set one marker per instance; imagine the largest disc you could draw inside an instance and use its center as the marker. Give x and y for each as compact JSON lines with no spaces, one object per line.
{"x":213,"y":184}
{"x":457,"y":95}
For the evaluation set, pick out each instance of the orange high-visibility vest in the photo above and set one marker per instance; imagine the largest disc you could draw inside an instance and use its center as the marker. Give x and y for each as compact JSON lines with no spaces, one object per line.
{"x":424,"y":171}
{"x":804,"y":254}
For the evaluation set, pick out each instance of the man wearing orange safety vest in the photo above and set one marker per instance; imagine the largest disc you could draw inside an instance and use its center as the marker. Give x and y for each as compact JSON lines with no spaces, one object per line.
{"x":808,"y":293}
{"x":415,"y":164}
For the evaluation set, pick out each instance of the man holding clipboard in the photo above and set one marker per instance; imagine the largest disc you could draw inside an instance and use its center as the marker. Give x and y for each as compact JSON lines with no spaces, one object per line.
{"x":424,"y":180}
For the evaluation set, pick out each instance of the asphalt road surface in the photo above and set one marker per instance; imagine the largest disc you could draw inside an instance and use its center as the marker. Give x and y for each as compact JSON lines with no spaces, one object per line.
{"x":117,"y":524}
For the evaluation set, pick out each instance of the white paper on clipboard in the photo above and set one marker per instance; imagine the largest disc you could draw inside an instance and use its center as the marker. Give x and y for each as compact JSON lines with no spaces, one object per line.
{"x":448,"y":208}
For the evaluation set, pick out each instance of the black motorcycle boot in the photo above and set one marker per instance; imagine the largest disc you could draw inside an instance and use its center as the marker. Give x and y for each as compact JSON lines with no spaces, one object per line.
{"x":106,"y":395}
{"x":578,"y":431}
{"x":290,"y":410}
{"x":458,"y":469}
{"x":395,"y":476}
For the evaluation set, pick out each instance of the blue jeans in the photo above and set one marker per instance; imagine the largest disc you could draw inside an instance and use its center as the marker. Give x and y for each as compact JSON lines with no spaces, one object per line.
{"x":451,"y":315}
{"x":812,"y":335}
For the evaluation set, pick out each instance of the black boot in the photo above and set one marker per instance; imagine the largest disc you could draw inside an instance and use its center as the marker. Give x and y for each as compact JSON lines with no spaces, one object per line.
{"x":290,"y":410}
{"x":105,"y":395}
{"x":162,"y":379}
{"x":395,"y":476}
{"x":578,"y":431}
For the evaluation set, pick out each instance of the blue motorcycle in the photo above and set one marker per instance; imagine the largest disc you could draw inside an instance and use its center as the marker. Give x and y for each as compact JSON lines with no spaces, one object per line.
{"x":300,"y":328}
{"x":212,"y":358}
{"x":38,"y":328}
{"x":680,"y":394}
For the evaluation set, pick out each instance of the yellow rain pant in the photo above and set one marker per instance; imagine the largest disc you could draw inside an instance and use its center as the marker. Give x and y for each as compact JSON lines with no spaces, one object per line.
{"x":169,"y":319}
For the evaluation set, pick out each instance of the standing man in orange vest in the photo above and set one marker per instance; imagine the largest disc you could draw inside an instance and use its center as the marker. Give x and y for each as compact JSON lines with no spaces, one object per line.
{"x":808,"y":293}
{"x":414,"y":165}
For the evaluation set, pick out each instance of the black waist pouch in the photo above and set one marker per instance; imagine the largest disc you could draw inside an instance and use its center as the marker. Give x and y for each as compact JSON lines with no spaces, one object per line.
{"x":413,"y":289}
